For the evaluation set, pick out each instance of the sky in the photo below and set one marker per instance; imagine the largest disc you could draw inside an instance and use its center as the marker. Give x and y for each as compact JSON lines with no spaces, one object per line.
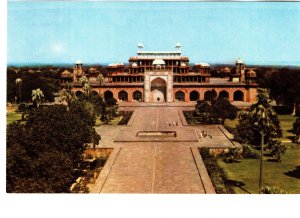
{"x":106,"y":32}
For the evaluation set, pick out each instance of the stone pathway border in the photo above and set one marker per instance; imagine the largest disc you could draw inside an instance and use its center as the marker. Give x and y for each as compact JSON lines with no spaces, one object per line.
{"x":182,"y":118}
{"x":205,"y":179}
{"x":130,"y":122}
{"x":97,"y":187}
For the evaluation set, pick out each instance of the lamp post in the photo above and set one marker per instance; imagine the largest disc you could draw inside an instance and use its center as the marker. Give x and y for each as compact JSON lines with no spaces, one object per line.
{"x":261,"y":160}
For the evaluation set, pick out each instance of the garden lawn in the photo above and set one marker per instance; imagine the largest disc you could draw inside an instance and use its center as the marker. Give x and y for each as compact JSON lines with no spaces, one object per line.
{"x":247,"y":172}
{"x":115,"y":121}
{"x":286,"y":123}
{"x":12,"y":116}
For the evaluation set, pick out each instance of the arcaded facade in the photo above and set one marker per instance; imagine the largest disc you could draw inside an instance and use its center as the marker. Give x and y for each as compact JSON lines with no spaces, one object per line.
{"x":164,"y":76}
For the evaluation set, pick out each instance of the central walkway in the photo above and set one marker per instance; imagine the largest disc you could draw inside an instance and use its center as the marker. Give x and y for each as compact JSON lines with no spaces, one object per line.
{"x":154,"y":164}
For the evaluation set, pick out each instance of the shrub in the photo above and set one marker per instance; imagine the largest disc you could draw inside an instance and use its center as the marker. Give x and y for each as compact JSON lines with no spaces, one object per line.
{"x":126,"y":117}
{"x":216,"y":174}
{"x":231,"y":156}
{"x":190,"y":117}
{"x":230,"y":129}
{"x":99,"y":162}
{"x":278,"y":149}
{"x":250,"y":152}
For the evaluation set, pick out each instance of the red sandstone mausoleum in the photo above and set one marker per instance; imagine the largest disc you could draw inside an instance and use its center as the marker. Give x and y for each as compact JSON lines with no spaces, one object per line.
{"x":164,"y":76}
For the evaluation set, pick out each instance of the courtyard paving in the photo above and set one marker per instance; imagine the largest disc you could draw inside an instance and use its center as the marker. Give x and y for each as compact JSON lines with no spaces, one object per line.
{"x":157,"y":164}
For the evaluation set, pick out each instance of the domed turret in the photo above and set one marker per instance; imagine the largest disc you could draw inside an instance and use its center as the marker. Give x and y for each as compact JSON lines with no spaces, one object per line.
{"x":78,"y":62}
{"x":239,"y":61}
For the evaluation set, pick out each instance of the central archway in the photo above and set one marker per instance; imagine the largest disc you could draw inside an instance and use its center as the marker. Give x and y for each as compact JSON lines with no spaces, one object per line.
{"x":158,"y":90}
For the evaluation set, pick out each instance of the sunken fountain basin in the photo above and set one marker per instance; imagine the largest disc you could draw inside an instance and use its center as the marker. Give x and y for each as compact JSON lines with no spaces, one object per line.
{"x":156,"y":134}
{"x":133,"y":134}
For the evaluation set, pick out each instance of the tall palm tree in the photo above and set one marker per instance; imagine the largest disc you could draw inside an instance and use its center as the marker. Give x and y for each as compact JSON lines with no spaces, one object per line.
{"x":19,"y":83}
{"x":261,"y":113}
{"x":68,"y":95}
{"x":85,"y":85}
{"x":37,"y":96}
{"x":86,"y":88}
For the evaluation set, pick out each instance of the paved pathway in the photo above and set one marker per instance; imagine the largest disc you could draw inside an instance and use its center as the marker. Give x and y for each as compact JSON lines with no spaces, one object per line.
{"x":156,"y":164}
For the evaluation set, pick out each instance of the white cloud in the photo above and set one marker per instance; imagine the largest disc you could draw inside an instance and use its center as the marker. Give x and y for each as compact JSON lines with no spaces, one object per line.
{"x":58,"y":48}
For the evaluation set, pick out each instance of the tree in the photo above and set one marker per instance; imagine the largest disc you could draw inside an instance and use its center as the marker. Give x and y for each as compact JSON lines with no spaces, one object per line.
{"x":223,"y":109}
{"x":85,"y":85}
{"x":261,"y":122}
{"x":247,"y":131}
{"x":215,"y":111}
{"x":37,"y":97}
{"x":24,"y":109}
{"x":296,"y":130}
{"x":68,"y":95}
{"x":19,"y":83}
{"x":282,"y":84}
{"x":45,"y":154}
{"x":11,"y":85}
{"x":106,"y":110}
{"x":46,"y":81}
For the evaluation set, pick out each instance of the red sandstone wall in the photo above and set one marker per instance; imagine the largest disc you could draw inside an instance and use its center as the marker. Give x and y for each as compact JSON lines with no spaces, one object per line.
{"x":249,"y":94}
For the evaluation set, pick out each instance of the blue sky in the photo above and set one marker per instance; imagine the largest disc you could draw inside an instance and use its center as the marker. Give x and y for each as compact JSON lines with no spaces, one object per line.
{"x":104,"y":32}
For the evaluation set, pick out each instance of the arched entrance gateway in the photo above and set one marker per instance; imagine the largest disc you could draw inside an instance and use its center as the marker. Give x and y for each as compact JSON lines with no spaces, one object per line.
{"x":158,"y":90}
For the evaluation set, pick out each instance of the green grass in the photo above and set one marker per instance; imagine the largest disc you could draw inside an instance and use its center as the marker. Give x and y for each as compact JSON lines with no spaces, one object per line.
{"x":12,"y":116}
{"x":286,"y":123}
{"x":247,"y":172}
{"x":231,"y":123}
{"x":115,"y":121}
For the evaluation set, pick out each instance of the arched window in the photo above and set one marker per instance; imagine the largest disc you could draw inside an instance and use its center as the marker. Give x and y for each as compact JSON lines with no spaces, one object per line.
{"x":123,"y":96}
{"x":94,"y":92}
{"x":78,"y":93}
{"x":194,"y":96}
{"x":238,"y":96}
{"x":210,"y":95}
{"x":137,"y":96}
{"x":108,"y":95}
{"x":224,"y":94}
{"x":179,"y":96}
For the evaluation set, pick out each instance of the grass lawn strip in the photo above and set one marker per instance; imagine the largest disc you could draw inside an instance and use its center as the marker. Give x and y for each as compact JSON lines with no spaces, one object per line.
{"x":247,"y":172}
